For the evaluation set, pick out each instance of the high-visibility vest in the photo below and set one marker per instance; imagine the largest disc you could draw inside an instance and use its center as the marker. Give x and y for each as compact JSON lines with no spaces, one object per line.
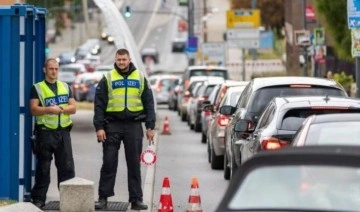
{"x":125,"y":92}
{"x":47,"y":98}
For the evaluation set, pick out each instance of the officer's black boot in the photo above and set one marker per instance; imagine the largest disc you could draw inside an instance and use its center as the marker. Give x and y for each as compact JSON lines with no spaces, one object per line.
{"x":138,"y":205}
{"x":38,"y":203}
{"x":102,"y":203}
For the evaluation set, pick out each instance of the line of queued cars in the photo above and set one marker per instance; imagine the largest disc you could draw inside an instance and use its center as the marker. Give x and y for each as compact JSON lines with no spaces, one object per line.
{"x":82,"y":69}
{"x":273,"y":137}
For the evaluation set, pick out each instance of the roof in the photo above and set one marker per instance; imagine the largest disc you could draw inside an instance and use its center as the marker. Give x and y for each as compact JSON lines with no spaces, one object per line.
{"x":311,"y":101}
{"x":262,"y":82}
{"x":206,"y":67}
{"x":345,"y":156}
{"x":336,"y":117}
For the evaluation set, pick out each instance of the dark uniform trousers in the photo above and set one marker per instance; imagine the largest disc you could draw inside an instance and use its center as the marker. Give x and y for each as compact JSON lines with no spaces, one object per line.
{"x":131,"y":133}
{"x":57,"y":142}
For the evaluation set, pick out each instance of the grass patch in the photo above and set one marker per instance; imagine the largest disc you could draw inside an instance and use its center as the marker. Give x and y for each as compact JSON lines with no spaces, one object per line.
{"x":85,"y":105}
{"x":6,"y":202}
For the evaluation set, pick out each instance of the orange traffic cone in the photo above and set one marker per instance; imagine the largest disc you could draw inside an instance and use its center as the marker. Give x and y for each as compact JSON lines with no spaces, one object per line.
{"x":166,"y":127}
{"x":165,"y":204}
{"x":194,"y":198}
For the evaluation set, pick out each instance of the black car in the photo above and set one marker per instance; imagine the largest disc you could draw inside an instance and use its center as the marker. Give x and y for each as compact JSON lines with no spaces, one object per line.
{"x":253,"y":100}
{"x":304,"y":179}
{"x":283,"y":117}
{"x":330,"y":129}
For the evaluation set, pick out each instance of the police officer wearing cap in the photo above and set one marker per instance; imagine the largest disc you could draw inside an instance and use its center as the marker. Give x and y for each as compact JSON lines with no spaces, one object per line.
{"x":51,"y":103}
{"x":123,"y":100}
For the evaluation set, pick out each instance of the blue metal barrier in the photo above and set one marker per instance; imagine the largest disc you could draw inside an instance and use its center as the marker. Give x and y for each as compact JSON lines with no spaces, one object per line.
{"x":22,"y":44}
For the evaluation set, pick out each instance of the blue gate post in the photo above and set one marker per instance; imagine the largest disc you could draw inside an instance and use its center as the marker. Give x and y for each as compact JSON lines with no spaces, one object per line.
{"x":22,"y":43}
{"x":9,"y":122}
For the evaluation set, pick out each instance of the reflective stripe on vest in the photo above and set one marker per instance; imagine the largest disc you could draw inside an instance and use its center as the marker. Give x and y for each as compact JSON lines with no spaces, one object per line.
{"x":48,"y":98}
{"x":125,"y":92}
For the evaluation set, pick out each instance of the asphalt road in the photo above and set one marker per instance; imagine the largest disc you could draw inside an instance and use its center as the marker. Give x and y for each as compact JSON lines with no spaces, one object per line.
{"x":182,"y":156}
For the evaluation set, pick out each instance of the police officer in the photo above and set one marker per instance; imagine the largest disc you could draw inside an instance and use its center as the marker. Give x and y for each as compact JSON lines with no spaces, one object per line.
{"x":51,"y":103}
{"x":123,"y":99}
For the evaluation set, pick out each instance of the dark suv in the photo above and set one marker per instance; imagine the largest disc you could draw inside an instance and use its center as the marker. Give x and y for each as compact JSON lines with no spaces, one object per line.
{"x":252,"y":102}
{"x":283,"y":117}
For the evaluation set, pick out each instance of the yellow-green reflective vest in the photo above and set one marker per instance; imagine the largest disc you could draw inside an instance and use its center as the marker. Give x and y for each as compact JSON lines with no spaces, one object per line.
{"x":125,"y":92}
{"x":48,"y":98}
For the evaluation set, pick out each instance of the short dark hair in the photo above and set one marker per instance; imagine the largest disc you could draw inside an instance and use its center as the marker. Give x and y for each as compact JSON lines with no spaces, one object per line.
{"x":122,"y":52}
{"x":48,"y":61}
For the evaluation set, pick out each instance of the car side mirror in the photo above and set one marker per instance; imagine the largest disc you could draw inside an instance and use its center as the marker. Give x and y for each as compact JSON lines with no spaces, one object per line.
{"x":208,"y":108}
{"x":241,"y":126}
{"x":244,"y":126}
{"x":227,"y":110}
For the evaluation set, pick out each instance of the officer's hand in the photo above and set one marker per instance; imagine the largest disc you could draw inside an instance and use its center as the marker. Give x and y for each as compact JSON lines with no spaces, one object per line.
{"x":54,"y":109}
{"x":101,"y":135}
{"x":150,"y":136}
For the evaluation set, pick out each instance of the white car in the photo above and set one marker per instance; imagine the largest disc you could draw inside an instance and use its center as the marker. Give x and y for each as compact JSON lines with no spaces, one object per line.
{"x":161,"y":84}
{"x":68,"y":72}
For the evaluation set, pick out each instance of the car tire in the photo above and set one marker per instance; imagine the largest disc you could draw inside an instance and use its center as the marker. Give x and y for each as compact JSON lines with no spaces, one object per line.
{"x":226,"y":168}
{"x":203,"y":138}
{"x":197,"y":127}
{"x":183,"y":116}
{"x":208,"y":151}
{"x":217,"y":162}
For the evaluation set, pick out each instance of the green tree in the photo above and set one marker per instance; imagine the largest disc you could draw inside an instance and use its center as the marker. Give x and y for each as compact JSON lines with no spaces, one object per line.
{"x":334,"y":15}
{"x":272,"y":12}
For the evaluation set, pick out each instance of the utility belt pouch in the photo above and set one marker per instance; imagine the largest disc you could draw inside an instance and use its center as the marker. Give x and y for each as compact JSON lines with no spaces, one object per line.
{"x":35,"y":142}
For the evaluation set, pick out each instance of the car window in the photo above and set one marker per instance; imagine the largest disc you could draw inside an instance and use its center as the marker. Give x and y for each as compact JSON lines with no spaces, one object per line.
{"x":166,"y":83}
{"x":267,"y":116}
{"x":214,"y":94}
{"x":334,"y":133}
{"x":263,"y":96}
{"x":234,"y":97}
{"x":153,"y":81}
{"x":209,"y":72}
{"x":244,"y":98}
{"x":299,"y":187}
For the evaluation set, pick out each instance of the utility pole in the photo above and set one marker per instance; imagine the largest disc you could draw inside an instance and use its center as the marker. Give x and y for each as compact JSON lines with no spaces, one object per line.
{"x":204,"y":22}
{"x":305,"y":47}
{"x":357,"y":76}
{"x":191,"y":26}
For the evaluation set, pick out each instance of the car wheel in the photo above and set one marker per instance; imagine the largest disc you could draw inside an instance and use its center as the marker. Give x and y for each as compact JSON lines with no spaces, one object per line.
{"x":197,"y":126}
{"x":183,"y":116}
{"x":233,"y":167}
{"x":226,"y":168}
{"x":203,"y":138}
{"x":217,"y":162}
{"x":208,"y":151}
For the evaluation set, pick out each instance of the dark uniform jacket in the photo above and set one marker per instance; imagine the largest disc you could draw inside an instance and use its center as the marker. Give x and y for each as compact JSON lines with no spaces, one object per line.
{"x":101,"y":117}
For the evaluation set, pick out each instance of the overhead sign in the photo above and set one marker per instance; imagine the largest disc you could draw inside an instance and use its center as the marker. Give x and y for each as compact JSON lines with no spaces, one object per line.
{"x":192,"y":44}
{"x":213,"y":53}
{"x":353,"y":12}
{"x":242,"y":18}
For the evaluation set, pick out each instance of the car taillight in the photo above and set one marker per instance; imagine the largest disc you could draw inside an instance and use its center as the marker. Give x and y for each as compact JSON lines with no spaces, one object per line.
{"x":223,"y":120}
{"x":270,"y":143}
{"x":299,"y":86}
{"x":158,"y":88}
{"x":76,"y":86}
{"x":207,"y":113}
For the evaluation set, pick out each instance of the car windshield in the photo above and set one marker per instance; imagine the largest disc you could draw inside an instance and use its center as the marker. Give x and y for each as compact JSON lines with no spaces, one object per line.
{"x":334,"y":133}
{"x":263,"y":96}
{"x":300,"y":187}
{"x":209,"y":72}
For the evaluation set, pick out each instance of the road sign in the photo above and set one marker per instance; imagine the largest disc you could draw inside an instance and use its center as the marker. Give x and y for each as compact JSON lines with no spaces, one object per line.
{"x":148,"y":156}
{"x":242,"y":18}
{"x":246,"y":33}
{"x":353,"y":12}
{"x":319,"y":36}
{"x":192,"y":44}
{"x":246,"y":38}
{"x":213,"y":53}
{"x":302,"y":37}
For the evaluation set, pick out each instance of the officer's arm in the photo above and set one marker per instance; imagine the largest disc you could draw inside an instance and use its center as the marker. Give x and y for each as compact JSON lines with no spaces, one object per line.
{"x":35,"y":107}
{"x":149,"y":107}
{"x":100,"y":104}
{"x":71,"y":108}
